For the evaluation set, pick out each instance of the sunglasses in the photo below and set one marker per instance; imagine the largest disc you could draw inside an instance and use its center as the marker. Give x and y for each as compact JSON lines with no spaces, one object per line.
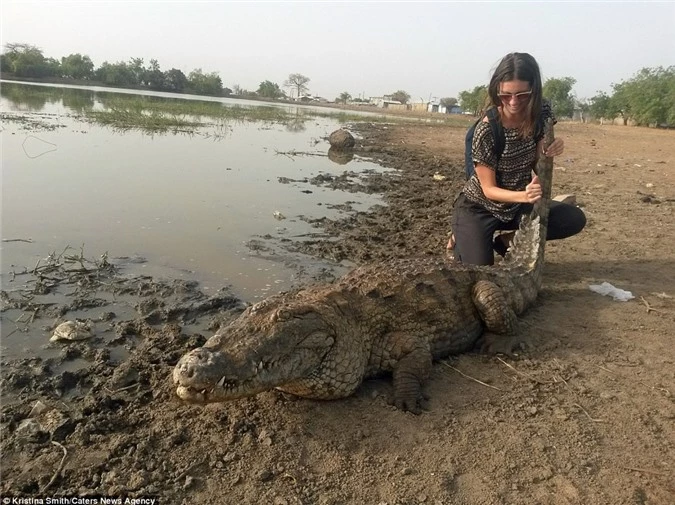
{"x":520,"y":97}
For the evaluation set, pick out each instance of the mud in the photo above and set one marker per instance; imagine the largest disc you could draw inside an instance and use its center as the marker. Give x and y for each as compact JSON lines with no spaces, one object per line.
{"x":585,"y":415}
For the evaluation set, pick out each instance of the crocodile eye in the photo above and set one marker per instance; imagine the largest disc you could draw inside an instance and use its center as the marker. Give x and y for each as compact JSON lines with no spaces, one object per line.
{"x":281,"y":315}
{"x":258,"y":306}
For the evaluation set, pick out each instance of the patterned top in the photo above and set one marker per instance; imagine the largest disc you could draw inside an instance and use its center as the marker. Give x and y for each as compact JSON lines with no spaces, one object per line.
{"x":514,"y":170}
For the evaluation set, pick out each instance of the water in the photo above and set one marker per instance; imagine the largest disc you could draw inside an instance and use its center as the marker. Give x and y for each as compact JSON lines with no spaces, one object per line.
{"x":188,"y":203}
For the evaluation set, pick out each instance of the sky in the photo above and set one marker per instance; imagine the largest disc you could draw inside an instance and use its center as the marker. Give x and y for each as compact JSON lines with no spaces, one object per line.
{"x":368,"y":48}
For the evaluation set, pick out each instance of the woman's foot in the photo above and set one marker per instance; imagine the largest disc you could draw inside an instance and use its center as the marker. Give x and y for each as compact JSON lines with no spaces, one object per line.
{"x":451,"y":243}
{"x":502,"y":243}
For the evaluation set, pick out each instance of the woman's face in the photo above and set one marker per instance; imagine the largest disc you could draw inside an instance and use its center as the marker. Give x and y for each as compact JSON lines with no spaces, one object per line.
{"x":515,"y":95}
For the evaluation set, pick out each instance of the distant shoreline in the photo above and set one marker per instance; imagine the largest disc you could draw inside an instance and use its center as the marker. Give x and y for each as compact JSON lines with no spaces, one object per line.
{"x":9,"y":77}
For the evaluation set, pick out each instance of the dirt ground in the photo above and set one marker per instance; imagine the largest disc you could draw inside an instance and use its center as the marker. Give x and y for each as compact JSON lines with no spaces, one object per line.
{"x":584,"y":415}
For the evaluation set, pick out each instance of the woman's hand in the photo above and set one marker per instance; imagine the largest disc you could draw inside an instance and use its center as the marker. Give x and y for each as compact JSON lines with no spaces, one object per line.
{"x":555,"y":149}
{"x":533,"y":190}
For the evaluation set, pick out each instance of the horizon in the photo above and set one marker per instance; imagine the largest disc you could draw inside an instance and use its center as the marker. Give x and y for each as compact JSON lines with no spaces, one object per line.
{"x":367,"y":49}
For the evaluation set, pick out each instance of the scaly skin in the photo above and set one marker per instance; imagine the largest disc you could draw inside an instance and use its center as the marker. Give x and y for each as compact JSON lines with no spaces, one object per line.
{"x":323,"y":341}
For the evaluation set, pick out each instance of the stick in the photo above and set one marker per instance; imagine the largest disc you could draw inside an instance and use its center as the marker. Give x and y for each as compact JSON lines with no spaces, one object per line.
{"x":58,"y":470}
{"x":121,"y":389}
{"x":588,"y":415}
{"x":523,"y":373}
{"x":643,"y":470}
{"x":29,"y":240}
{"x":471,"y":378}
{"x":649,"y":307}
{"x":189,"y":469}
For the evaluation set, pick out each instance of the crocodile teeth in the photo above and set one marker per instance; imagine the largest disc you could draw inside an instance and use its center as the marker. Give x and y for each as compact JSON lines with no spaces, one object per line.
{"x":260,"y":366}
{"x":221,"y":382}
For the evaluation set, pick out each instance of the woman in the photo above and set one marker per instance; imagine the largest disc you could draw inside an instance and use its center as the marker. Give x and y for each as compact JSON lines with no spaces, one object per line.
{"x":503,"y":187}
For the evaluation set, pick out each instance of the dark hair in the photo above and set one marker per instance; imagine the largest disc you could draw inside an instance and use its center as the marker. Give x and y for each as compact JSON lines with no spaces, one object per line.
{"x":519,"y":67}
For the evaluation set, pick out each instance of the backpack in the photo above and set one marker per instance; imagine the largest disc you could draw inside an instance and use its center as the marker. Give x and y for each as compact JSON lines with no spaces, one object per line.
{"x":497,"y":133}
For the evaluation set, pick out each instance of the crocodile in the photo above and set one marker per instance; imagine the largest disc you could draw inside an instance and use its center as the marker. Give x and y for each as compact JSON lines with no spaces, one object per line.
{"x":394,"y":317}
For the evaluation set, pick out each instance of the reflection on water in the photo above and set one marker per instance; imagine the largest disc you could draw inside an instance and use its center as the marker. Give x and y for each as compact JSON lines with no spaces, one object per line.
{"x":340,"y":156}
{"x":188,"y":201}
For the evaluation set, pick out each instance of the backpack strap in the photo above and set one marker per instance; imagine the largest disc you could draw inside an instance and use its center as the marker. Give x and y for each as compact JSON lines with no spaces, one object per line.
{"x":497,"y":131}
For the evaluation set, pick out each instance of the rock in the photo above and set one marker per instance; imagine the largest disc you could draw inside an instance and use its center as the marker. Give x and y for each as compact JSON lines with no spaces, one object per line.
{"x":341,"y":139}
{"x":29,"y":429}
{"x":58,"y":424}
{"x":570,"y":199}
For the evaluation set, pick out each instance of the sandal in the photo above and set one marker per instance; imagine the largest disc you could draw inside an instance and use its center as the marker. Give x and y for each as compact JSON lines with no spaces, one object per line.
{"x":502,"y":243}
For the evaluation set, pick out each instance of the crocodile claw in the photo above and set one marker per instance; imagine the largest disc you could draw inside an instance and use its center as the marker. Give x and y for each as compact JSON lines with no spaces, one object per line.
{"x":492,"y":343}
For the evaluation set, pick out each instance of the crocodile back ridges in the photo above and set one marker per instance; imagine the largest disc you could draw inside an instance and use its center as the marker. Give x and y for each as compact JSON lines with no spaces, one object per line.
{"x":527,"y":249}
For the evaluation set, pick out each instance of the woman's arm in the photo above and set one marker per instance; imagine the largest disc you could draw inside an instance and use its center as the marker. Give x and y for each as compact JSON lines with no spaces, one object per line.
{"x":488,"y":182}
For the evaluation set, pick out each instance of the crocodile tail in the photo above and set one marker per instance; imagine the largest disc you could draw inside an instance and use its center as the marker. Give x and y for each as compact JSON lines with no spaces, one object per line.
{"x":527,"y":249}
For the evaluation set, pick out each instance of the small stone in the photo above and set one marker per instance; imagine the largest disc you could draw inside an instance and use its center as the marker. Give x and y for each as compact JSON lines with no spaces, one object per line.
{"x":265,"y":476}
{"x":29,"y":429}
{"x":230,"y":456}
{"x":570,"y":199}
{"x":188,"y":482}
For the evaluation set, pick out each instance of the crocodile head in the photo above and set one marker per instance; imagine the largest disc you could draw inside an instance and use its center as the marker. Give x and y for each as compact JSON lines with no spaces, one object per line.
{"x":272,"y":344}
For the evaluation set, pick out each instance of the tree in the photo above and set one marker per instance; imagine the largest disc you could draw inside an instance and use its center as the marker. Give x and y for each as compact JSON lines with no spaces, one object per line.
{"x":26,"y":60}
{"x":115,"y":74}
{"x":175,"y":80}
{"x":205,"y":84}
{"x":269,"y":89}
{"x":76,"y":66}
{"x":153,"y":76}
{"x":558,"y":91}
{"x":137,"y":71}
{"x":344,"y":97}
{"x":299,"y":82}
{"x":475,"y":100}
{"x":448,"y":102}
{"x":601,"y":106}
{"x":584,"y":107}
{"x":400,"y":96}
{"x":648,"y":97}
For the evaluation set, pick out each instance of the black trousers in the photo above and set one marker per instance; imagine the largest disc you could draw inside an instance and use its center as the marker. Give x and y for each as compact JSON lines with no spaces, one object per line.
{"x":473,"y":227}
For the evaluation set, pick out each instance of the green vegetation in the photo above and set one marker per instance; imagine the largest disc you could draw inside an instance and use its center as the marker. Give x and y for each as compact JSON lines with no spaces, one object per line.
{"x":474,"y":101}
{"x":269,"y":89}
{"x":648,"y":98}
{"x":344,"y":97}
{"x":27,"y":61}
{"x":400,"y":96}
{"x":559,"y":93}
{"x":159,"y":114}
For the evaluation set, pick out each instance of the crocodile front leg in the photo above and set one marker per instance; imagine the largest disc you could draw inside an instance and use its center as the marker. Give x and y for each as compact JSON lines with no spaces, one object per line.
{"x":500,"y":321}
{"x":411,"y":368}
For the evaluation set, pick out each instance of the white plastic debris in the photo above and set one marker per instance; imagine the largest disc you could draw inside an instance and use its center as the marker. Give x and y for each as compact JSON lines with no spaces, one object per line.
{"x":607,"y":289}
{"x":71,"y":330}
